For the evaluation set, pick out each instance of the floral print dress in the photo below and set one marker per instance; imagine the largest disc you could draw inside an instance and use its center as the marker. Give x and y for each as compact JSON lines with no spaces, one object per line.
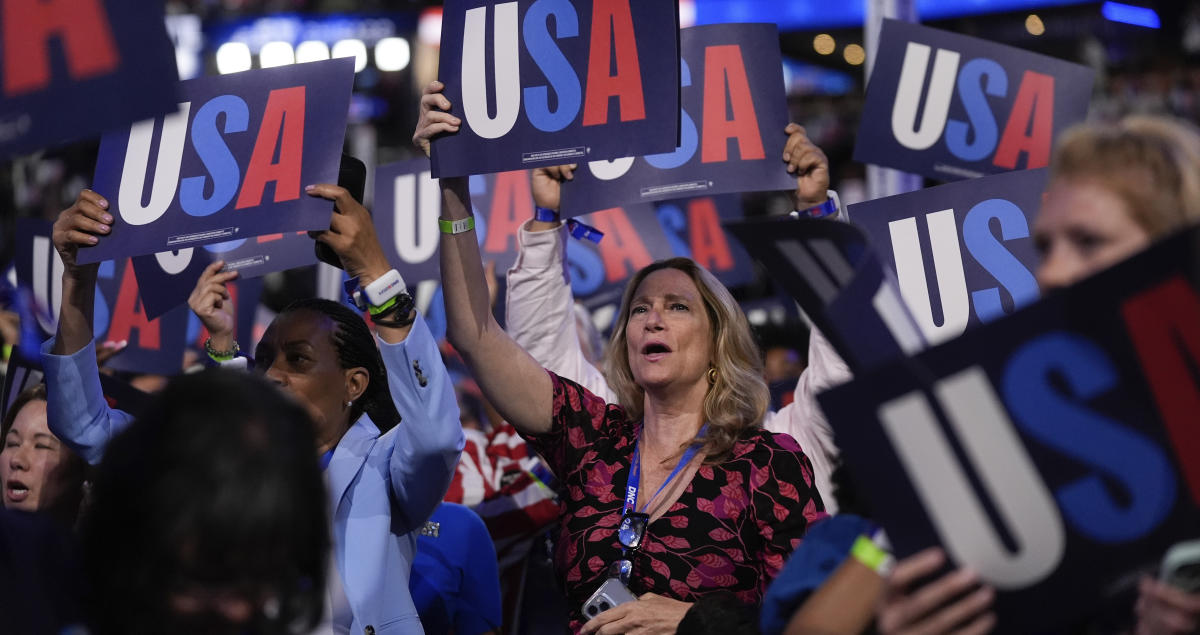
{"x":731,"y":529}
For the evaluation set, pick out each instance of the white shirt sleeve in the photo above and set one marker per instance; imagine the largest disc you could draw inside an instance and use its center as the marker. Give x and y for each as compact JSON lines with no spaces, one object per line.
{"x":540,"y":310}
{"x":803,"y":418}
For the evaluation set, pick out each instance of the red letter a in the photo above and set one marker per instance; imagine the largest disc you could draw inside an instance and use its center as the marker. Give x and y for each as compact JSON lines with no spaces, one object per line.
{"x":1164,"y":324}
{"x":129,"y":314}
{"x":611,"y":20}
{"x":512,"y":205}
{"x":725,"y":74}
{"x":622,"y":250}
{"x":1035,"y":100}
{"x":81,"y":26}
{"x":710,"y":249}
{"x":283,"y":120}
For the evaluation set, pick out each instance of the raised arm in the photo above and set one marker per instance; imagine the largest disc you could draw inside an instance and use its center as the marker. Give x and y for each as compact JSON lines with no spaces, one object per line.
{"x":516,"y":385}
{"x":429,"y":439}
{"x":76,"y":409}
{"x":803,"y":418}
{"x":540,"y":312}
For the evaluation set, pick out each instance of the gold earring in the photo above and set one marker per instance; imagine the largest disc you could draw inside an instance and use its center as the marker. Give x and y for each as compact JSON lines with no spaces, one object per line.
{"x":712,"y":376}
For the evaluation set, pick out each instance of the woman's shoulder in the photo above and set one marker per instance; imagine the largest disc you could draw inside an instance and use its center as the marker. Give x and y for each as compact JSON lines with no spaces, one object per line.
{"x":573,"y":397}
{"x":759,"y":445}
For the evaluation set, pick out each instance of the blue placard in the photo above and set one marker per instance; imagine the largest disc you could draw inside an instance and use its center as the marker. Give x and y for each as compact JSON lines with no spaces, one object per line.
{"x":733,"y":114}
{"x":1054,"y":452}
{"x":167,"y":278}
{"x":231,"y":163}
{"x":984,"y":108}
{"x":962,"y":252}
{"x":408,"y":202}
{"x":76,"y":68}
{"x":547,"y":82}
{"x":155,"y":345}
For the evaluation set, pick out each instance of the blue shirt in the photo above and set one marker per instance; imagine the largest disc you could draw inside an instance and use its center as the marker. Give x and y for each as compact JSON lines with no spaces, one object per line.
{"x":455,"y":580}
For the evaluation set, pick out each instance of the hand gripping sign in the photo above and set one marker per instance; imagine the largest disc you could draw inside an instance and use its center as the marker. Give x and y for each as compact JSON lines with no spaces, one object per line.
{"x":547,"y":82}
{"x":984,"y":108}
{"x":75,"y":68}
{"x":733,"y":114}
{"x":1055,"y":452}
{"x":231,"y":163}
{"x":155,"y":345}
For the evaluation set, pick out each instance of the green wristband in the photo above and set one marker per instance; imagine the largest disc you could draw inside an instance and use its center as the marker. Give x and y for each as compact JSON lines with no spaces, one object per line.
{"x":456,"y":226}
{"x":871,"y":556}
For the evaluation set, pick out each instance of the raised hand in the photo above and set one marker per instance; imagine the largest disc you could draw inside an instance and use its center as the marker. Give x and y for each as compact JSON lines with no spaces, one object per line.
{"x":434,"y":119}
{"x":81,"y":224}
{"x":351,"y":235}
{"x":805,"y":160}
{"x":547,"y":184}
{"x":210,"y":302}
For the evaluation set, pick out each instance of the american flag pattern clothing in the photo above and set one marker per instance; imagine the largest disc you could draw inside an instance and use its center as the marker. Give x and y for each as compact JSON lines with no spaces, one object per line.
{"x":496,"y":478}
{"x":731,"y":530}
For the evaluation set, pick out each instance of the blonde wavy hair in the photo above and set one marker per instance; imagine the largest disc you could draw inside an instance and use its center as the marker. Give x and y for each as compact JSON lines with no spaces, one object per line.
{"x":1152,"y":163}
{"x":737,"y":400}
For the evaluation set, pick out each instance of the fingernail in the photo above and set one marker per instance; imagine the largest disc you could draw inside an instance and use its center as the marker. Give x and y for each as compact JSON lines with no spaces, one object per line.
{"x":123,"y":343}
{"x":93,"y":239}
{"x":456,"y":121}
{"x":105,"y":228}
{"x":107,"y":218}
{"x":104,"y":203}
{"x":309,"y":188}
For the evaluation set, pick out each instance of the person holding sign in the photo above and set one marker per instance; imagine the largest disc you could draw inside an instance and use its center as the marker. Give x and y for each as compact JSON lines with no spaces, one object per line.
{"x":1113,"y":190}
{"x":673,"y":494}
{"x":540,"y":305}
{"x":385,"y":478}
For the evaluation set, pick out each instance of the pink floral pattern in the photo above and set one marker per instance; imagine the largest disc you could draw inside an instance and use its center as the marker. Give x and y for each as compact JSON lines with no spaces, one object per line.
{"x":731,"y":529}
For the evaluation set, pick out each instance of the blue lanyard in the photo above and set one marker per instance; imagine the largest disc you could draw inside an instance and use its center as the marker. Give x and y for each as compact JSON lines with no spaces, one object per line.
{"x":635,"y":473}
{"x":325,"y":459}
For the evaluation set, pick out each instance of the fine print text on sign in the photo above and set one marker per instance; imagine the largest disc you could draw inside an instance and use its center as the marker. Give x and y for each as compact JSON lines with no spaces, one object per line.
{"x":547,"y":82}
{"x":983,"y":108}
{"x":155,"y":344}
{"x":231,"y":163}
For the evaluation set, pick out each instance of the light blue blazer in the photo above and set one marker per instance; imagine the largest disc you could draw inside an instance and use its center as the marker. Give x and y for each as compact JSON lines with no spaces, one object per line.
{"x":382,"y":487}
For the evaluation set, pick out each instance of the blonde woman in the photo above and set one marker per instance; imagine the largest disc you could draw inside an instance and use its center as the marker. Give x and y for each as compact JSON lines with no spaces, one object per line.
{"x":675,"y":492}
{"x":1114,"y":189}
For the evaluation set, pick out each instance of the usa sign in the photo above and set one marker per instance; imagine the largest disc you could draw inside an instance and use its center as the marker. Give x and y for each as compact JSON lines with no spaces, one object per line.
{"x":1055,"y":451}
{"x":230,"y":163}
{"x":733,"y":114}
{"x":546,"y":82}
{"x":408,"y":202}
{"x":962,"y":252}
{"x":952,"y":107}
